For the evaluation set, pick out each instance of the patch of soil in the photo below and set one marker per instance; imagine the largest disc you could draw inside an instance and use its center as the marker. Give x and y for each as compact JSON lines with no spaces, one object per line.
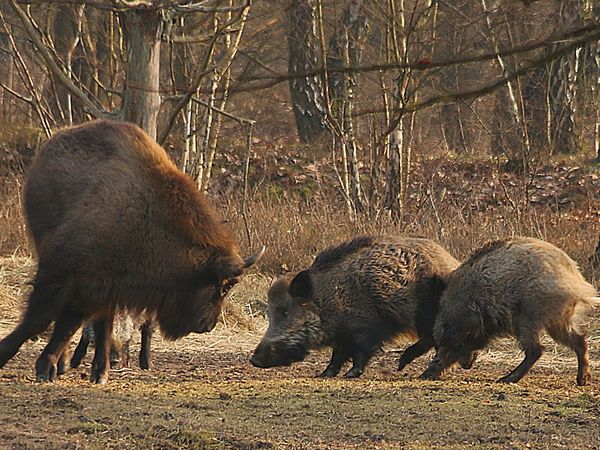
{"x":199,"y":398}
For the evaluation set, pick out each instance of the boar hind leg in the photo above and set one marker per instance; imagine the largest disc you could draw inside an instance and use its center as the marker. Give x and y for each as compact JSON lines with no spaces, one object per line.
{"x":361,"y":355}
{"x":66,"y":325}
{"x":38,"y":316}
{"x":103,"y":340}
{"x":530,"y":342}
{"x":419,"y":348}
{"x":82,"y":346}
{"x":577,"y":342}
{"x":339,"y":356}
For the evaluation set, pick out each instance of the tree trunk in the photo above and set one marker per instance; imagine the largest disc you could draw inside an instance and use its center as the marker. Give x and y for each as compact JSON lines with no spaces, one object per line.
{"x":141,"y":100}
{"x":564,"y":85}
{"x":306,"y":93}
{"x":562,"y":101}
{"x":595,"y":258}
{"x":454,"y":117}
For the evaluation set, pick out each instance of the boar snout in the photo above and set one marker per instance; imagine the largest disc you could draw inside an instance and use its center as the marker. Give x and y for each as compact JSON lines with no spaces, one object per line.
{"x":260,"y":357}
{"x":273,"y":354}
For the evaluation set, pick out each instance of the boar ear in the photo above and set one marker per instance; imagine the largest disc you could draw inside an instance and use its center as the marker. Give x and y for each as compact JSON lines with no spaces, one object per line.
{"x":301,"y":286}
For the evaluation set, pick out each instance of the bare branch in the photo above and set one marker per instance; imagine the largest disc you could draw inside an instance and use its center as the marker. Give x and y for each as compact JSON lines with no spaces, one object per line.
{"x":52,"y":65}
{"x":238,"y":119}
{"x":182,"y":6}
{"x":478,"y":92}
{"x":16,"y":94}
{"x":198,"y":79}
{"x":420,"y":65}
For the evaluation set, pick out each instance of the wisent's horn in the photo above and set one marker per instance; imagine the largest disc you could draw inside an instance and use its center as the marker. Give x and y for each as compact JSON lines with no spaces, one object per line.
{"x":251,"y":260}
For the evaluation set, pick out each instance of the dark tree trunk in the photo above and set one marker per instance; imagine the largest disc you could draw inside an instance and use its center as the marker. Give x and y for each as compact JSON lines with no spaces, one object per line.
{"x":141,"y":101}
{"x":306,"y":93}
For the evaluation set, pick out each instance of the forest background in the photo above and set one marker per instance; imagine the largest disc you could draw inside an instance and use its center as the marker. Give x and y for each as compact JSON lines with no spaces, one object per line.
{"x":309,"y":121}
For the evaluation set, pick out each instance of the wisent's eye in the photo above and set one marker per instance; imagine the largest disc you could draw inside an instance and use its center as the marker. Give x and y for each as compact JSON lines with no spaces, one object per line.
{"x":227,"y":285}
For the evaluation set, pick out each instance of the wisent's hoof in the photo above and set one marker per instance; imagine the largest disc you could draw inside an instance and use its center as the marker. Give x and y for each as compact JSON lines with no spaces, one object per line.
{"x":99,"y":378}
{"x":45,"y":371}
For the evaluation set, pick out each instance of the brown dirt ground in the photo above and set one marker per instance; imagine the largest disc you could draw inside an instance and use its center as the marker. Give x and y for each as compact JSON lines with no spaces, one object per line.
{"x":203,"y":393}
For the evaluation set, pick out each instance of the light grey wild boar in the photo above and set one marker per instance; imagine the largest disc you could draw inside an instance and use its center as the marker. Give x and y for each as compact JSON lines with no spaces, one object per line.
{"x":515,"y":287}
{"x":124,"y":327}
{"x":354,"y":297}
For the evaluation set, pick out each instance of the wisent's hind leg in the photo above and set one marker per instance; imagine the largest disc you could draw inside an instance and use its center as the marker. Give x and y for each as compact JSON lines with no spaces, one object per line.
{"x":41,"y":311}
{"x":66,"y":325}
{"x":569,"y":335}
{"x":103,"y":338}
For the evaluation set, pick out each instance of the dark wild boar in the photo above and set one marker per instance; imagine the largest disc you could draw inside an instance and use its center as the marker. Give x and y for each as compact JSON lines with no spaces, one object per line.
{"x":354,"y":297}
{"x":516,"y":287}
{"x":118,"y":227}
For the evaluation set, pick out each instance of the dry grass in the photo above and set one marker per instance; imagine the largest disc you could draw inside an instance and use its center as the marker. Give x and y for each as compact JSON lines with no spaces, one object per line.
{"x":13,"y":233}
{"x":295,"y":232}
{"x":15,"y":274}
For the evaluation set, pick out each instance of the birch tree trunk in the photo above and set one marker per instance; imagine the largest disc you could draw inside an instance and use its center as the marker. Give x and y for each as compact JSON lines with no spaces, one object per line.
{"x":345,"y":50}
{"x":306,"y":93}
{"x":141,"y":100}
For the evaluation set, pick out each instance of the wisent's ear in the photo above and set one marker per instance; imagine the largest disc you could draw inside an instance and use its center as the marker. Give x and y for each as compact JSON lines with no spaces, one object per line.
{"x":301,"y":286}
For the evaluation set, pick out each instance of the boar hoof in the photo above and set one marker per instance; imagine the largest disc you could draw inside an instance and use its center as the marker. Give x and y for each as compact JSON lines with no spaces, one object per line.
{"x":429,"y":375}
{"x":353,"y":373}
{"x":327,"y":373}
{"x":510,"y":378}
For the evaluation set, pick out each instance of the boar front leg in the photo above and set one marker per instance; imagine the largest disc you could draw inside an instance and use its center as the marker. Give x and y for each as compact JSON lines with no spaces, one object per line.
{"x":338,"y":358}
{"x":442,"y":360}
{"x":419,"y":348}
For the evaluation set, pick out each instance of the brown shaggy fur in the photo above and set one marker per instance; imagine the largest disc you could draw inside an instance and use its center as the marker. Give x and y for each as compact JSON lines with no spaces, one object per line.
{"x":515,"y":287}
{"x":118,"y":227}
{"x":354,"y":297}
